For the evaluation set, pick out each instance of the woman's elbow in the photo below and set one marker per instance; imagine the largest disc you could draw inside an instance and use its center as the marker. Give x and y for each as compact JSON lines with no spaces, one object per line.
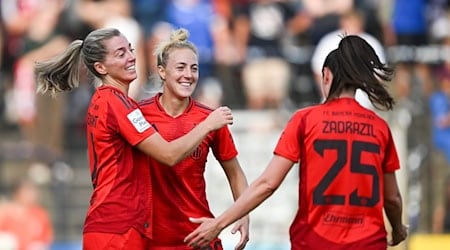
{"x":393,"y":200}
{"x":268,"y":187}
{"x":169,"y":160}
{"x":166,"y":157}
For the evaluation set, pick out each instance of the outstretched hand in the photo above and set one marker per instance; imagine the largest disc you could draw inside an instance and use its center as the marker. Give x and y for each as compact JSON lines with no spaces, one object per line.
{"x":242,"y":226}
{"x":219,"y":118}
{"x":204,"y":234}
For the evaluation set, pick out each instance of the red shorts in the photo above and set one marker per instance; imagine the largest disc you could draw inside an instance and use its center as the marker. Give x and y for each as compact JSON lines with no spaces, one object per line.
{"x":214,"y":245}
{"x":129,"y":240}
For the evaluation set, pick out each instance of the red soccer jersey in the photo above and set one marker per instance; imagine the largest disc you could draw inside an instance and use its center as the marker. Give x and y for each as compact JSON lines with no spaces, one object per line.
{"x":343,"y":151}
{"x":179,"y":191}
{"x":119,"y":171}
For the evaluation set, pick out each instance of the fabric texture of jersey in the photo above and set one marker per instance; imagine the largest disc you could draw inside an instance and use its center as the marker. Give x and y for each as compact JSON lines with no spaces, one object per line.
{"x":343,"y":151}
{"x":119,"y":171}
{"x":179,"y":191}
{"x":129,"y":240}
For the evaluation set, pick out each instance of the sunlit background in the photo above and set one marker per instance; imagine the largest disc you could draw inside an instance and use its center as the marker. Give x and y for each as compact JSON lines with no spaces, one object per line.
{"x":261,"y":58}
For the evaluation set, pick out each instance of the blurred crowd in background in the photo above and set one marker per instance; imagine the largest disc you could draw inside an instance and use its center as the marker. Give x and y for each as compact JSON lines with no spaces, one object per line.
{"x":255,"y":55}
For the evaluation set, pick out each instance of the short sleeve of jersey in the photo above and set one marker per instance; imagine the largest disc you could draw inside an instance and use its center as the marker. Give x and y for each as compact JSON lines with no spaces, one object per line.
{"x":391,"y":161}
{"x":223,"y":146}
{"x":288,"y":145}
{"x":132,"y":124}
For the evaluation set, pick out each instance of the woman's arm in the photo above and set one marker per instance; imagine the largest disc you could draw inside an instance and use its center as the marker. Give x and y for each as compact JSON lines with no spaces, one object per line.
{"x":393,"y":208}
{"x":170,"y":153}
{"x":235,"y":176}
{"x":238,"y":183}
{"x":255,"y":194}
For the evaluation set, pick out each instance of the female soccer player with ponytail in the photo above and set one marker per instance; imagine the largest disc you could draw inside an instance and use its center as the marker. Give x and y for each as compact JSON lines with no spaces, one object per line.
{"x":347,"y":160}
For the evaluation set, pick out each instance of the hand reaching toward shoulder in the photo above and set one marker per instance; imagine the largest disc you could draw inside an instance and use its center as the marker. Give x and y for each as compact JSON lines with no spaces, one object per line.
{"x":242,"y":226}
{"x":219,"y":118}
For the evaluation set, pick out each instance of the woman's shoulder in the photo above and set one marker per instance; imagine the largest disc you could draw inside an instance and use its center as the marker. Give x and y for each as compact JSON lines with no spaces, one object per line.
{"x":200,"y":107}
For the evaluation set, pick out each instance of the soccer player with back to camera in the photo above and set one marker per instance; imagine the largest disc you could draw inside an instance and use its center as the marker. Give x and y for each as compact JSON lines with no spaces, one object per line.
{"x":179,"y":192}
{"x":347,"y":160}
{"x":119,"y":139}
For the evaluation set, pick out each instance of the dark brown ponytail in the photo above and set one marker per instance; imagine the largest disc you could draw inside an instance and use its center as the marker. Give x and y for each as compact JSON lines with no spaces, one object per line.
{"x":355,"y":65}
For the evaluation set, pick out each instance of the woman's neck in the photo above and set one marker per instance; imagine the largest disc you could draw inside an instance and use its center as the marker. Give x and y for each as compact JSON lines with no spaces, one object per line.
{"x":172,"y":105}
{"x":347,"y":94}
{"x":116,"y":84}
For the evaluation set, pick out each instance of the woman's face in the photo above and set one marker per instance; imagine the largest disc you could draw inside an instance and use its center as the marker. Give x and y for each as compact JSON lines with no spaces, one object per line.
{"x":181,"y":73}
{"x":120,"y":61}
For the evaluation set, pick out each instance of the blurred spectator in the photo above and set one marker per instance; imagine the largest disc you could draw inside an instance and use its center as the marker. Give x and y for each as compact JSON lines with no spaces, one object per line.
{"x":118,"y":14}
{"x":414,"y":22}
{"x":405,"y":27}
{"x":350,"y":23}
{"x":438,"y":14}
{"x":439,"y":103}
{"x":266,"y":74}
{"x":441,"y":216}
{"x":405,"y":23}
{"x":200,"y":19}
{"x":372,"y":19}
{"x":24,"y":223}
{"x":2,"y":41}
{"x":148,"y":13}
{"x":405,"y":30}
{"x":2,"y":79}
{"x":325,"y":16}
{"x":228,"y":31}
{"x":73,"y":25}
{"x":32,"y":27}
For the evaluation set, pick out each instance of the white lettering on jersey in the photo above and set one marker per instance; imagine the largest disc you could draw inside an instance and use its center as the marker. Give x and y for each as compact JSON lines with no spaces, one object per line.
{"x":137,"y":119}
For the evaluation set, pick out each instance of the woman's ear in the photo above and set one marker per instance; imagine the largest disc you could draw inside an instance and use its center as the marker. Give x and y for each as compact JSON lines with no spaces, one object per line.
{"x":100,"y":68}
{"x":327,"y":79}
{"x":162,"y":72}
{"x":327,"y":76}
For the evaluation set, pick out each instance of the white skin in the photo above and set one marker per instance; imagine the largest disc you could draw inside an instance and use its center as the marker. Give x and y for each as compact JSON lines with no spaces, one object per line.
{"x":269,"y":181}
{"x":119,"y":70}
{"x":180,"y":77}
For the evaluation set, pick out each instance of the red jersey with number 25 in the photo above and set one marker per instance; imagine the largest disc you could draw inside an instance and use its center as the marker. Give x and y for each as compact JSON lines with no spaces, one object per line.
{"x":343,"y":151}
{"x":119,"y":171}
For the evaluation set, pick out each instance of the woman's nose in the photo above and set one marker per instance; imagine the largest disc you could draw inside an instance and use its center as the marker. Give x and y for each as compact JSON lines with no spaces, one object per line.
{"x":188,"y":73}
{"x":132,"y":56}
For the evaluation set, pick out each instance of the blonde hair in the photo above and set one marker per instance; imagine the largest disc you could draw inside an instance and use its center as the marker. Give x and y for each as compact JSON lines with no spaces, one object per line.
{"x":178,"y":40}
{"x":62,"y":73}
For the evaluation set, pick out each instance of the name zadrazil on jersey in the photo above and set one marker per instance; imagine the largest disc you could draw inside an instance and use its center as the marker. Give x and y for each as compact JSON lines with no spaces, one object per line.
{"x":341,"y":127}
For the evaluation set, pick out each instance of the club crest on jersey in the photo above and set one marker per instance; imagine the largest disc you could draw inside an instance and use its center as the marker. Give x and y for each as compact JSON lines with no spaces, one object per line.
{"x":137,"y":119}
{"x":197,"y":154}
{"x":91,"y":120}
